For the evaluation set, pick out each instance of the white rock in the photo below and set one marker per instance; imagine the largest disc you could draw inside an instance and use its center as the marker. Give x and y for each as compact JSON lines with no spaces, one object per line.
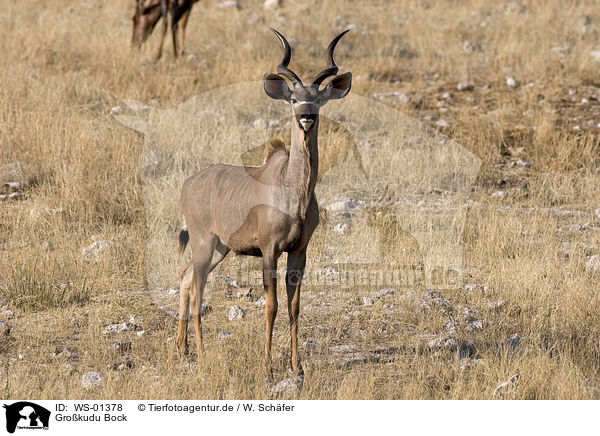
{"x":235,"y":312}
{"x":595,"y":55}
{"x":397,"y":95}
{"x":4,"y":328}
{"x":261,"y":302}
{"x":511,"y":82}
{"x":15,"y":186}
{"x":341,"y":228}
{"x":92,"y":379}
{"x":224,"y":335}
{"x":342,"y":205}
{"x":231,"y":282}
{"x":475,"y":287}
{"x":442,"y":123}
{"x":368,"y":301}
{"x":8,"y":314}
{"x":288,"y":387}
{"x":95,"y":250}
{"x":260,"y":124}
{"x":271,"y":4}
{"x":471,"y":46}
{"x":498,"y":194}
{"x":465,"y":86}
{"x":593,"y":263}
{"x":515,"y":8}
{"x":229,"y":4}
{"x":124,"y":326}
{"x":506,"y":387}
{"x":475,"y":326}
{"x":384,"y":292}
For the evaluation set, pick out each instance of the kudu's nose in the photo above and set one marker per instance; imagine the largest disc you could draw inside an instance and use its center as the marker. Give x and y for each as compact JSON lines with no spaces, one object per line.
{"x":307,"y":120}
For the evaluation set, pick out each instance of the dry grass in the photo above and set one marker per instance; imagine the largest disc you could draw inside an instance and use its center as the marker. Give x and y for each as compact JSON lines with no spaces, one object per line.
{"x":67,"y":63}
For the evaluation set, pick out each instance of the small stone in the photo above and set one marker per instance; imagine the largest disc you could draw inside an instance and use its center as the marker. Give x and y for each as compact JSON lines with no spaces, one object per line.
{"x":341,"y":228}
{"x":124,"y":326}
{"x":289,"y":387}
{"x":122,"y":346}
{"x":229,"y":4}
{"x":506,"y":387}
{"x":339,"y":117}
{"x":397,"y":95}
{"x":15,"y":186}
{"x":236,"y":312}
{"x":514,"y":341}
{"x":442,"y":123}
{"x":92,"y":379}
{"x":47,"y":246}
{"x":271,"y":4}
{"x":4,"y":328}
{"x":475,"y":326}
{"x":96,"y":250}
{"x":593,"y":263}
{"x":471,"y":46}
{"x":311,"y":345}
{"x":475,"y":287}
{"x":224,"y":335}
{"x":464,"y":86}
{"x":243,"y":293}
{"x":260,"y":124}
{"x":342,"y":205}
{"x":231,"y":282}
{"x":384,"y":292}
{"x":498,"y":194}
{"x":261,"y":302}
{"x":368,"y":301}
{"x":515,"y":8}
{"x":595,"y":55}
{"x":511,"y":82}
{"x":8,"y":314}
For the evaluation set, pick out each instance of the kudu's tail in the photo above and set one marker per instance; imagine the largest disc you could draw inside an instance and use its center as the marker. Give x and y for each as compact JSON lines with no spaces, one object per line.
{"x":184,"y":238}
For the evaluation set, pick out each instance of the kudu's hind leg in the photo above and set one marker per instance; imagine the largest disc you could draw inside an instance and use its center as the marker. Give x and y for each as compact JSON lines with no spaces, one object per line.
{"x":183,"y":22}
{"x":165,"y":15}
{"x":185,"y":287}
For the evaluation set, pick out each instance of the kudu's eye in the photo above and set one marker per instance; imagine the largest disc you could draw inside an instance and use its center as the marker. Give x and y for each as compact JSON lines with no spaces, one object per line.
{"x":293,"y":100}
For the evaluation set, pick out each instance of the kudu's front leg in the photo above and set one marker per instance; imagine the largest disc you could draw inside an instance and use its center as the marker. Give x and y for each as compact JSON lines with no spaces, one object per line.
{"x":270,"y":284}
{"x":293,"y":280}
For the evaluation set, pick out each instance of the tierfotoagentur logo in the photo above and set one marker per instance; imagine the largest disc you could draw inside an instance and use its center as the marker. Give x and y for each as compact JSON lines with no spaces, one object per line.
{"x":26,"y":415}
{"x":392,"y":192}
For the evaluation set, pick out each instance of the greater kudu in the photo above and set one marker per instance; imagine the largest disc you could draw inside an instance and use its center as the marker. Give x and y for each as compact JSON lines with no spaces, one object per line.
{"x":261,"y":211}
{"x":149,"y":12}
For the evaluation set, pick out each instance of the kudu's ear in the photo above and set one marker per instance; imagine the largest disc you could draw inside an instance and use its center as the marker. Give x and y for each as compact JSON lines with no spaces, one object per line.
{"x":276,"y":87}
{"x":339,"y":87}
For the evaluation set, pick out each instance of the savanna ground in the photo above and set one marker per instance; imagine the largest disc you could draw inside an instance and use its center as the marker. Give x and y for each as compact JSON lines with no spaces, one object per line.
{"x":527,"y":247}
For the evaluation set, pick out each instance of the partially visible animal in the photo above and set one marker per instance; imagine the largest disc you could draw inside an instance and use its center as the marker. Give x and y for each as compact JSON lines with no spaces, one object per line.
{"x":148,"y":13}
{"x":261,"y":211}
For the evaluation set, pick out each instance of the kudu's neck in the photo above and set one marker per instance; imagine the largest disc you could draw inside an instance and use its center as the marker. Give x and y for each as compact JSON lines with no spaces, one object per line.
{"x":303,"y":164}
